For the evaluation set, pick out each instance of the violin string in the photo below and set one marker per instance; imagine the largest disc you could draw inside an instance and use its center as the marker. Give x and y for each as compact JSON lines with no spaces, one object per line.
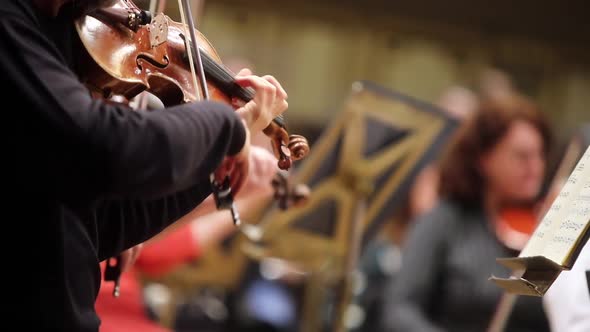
{"x":217,"y":72}
{"x":224,"y":78}
{"x":222,"y":191}
{"x":193,"y":29}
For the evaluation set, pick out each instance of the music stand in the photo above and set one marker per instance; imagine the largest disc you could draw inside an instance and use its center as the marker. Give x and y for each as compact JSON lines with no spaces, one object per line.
{"x":360,"y":171}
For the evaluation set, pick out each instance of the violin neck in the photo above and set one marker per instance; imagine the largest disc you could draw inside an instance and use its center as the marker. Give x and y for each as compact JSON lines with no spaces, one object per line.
{"x":224,"y":81}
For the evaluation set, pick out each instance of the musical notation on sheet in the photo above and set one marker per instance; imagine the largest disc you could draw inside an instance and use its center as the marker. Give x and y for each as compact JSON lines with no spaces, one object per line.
{"x":565,"y":223}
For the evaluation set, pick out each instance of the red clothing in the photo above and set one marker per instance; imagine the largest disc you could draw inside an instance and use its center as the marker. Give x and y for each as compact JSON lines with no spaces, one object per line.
{"x":127,"y":312}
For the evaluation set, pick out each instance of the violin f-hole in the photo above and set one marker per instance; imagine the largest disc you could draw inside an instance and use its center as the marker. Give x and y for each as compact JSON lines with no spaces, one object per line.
{"x":165,"y":61}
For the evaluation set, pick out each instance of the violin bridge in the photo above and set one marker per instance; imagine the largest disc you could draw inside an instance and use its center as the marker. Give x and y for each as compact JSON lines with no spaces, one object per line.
{"x":158,"y":29}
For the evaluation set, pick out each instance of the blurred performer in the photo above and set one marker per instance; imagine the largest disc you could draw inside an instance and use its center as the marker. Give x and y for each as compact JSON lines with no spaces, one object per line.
{"x":458,"y":102}
{"x":495,"y":84}
{"x":496,"y":161}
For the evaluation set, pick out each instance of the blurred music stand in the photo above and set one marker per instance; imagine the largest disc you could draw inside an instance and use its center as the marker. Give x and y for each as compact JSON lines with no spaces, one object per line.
{"x":359,"y":172}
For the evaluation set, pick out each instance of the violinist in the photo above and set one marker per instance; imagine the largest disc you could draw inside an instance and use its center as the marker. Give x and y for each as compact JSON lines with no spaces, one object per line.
{"x":494,"y":164}
{"x":89,"y":179}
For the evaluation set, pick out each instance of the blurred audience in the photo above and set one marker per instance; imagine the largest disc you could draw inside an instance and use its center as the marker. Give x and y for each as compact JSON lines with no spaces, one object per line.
{"x":495,"y":162}
{"x":495,"y":84}
{"x":458,"y":102}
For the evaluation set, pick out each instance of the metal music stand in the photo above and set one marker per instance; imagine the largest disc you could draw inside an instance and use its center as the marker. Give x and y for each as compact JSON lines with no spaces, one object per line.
{"x":360,"y":171}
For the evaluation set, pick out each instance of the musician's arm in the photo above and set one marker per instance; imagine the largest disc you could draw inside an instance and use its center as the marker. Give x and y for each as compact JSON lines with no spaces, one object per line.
{"x":412,"y":292}
{"x":195,"y":233}
{"x":150,"y":167}
{"x":127,"y":223}
{"x":91,"y":149}
{"x":123,"y":224}
{"x":258,"y":187}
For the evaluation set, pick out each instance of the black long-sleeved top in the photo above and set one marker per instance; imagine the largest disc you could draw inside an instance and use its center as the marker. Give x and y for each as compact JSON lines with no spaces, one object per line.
{"x":443,"y":285}
{"x":86,"y":179}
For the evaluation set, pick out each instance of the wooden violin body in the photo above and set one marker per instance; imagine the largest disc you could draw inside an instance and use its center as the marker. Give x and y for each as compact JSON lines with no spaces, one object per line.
{"x":125,"y":56}
{"x":126,"y":62}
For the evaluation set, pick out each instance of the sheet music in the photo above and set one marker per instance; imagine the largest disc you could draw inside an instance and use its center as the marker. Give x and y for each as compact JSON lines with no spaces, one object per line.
{"x":563,"y":226}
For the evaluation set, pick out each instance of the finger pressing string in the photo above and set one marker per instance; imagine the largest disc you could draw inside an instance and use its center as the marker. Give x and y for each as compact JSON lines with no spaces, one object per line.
{"x":255,"y":82}
{"x":281,"y":93}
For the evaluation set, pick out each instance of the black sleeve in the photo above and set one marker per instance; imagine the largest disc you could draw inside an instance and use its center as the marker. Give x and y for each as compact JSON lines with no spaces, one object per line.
{"x":149,"y":167}
{"x":409,"y":296}
{"x":71,"y":146}
{"x":126,"y":223}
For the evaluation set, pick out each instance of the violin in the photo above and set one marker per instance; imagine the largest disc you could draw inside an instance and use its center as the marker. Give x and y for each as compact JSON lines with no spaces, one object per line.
{"x":127,"y":51}
{"x":515,"y":226}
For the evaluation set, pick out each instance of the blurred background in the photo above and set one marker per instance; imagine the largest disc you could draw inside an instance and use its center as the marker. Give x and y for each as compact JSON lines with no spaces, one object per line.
{"x":451,"y":54}
{"x":318,"y":48}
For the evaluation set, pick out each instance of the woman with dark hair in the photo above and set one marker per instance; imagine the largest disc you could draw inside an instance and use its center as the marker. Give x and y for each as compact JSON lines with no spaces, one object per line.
{"x":495,"y":162}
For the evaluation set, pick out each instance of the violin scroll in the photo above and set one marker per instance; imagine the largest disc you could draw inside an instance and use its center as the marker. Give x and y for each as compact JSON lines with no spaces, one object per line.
{"x":298,"y":146}
{"x":286,"y":148}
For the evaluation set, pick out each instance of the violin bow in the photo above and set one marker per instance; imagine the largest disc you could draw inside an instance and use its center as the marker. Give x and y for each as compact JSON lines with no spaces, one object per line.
{"x":222,"y":192}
